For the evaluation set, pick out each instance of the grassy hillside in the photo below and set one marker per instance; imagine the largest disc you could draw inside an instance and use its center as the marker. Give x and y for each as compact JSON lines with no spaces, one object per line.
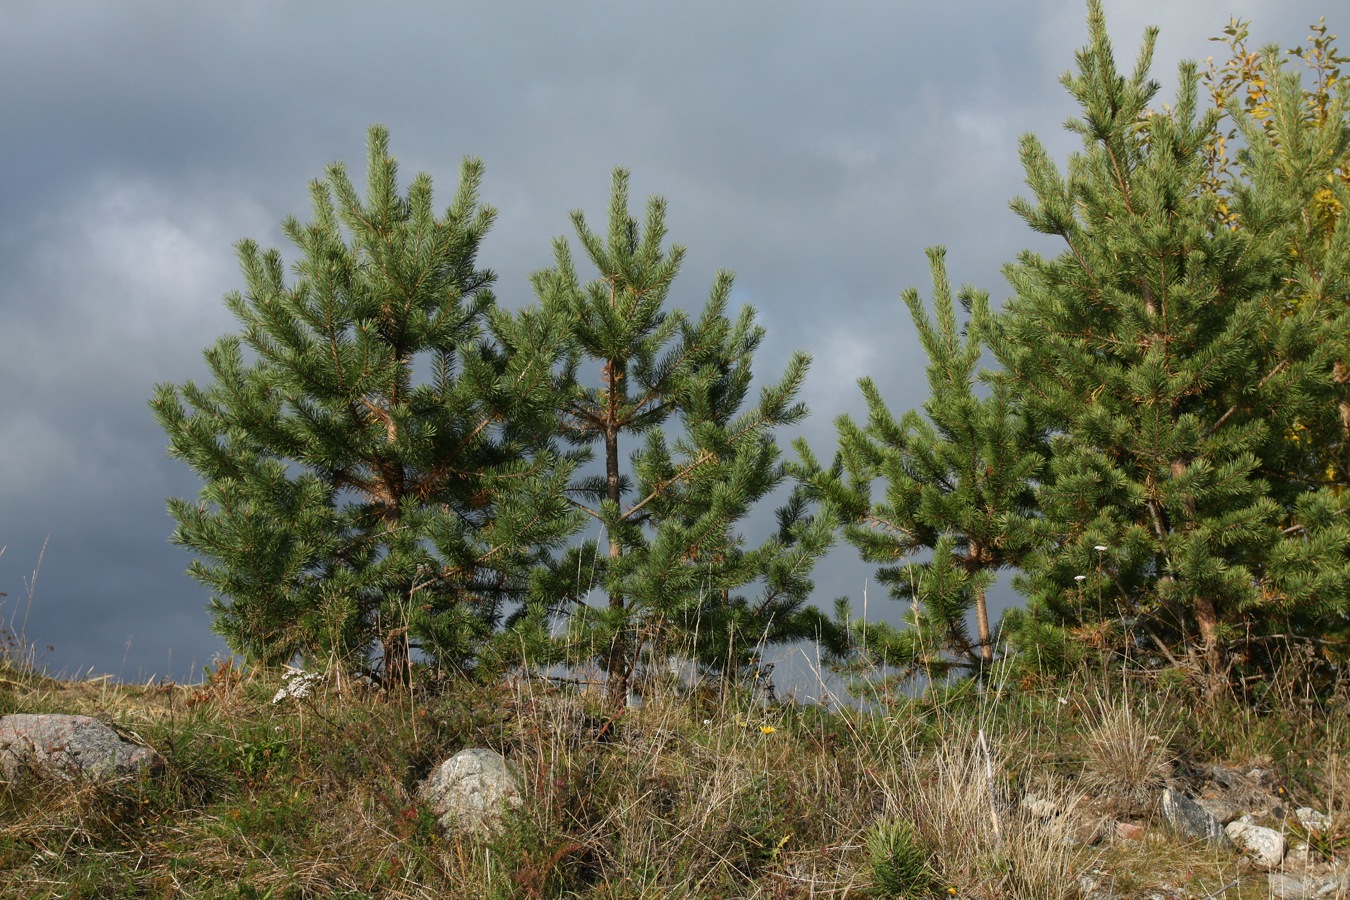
{"x":1011,"y":793}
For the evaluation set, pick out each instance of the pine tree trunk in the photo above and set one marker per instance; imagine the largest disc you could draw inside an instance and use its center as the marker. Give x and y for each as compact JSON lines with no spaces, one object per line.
{"x":1345,"y":440}
{"x":1341,"y":375}
{"x":982,"y":624}
{"x":973,"y":553}
{"x":1207,"y":618}
{"x":617,"y":663}
{"x":1206,"y":615}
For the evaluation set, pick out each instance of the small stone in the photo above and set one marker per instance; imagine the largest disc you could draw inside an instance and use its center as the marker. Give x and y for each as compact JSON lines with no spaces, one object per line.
{"x":69,"y":747}
{"x":1265,"y":846}
{"x":1088,"y":831}
{"x":1226,"y":777}
{"x":1039,"y":807}
{"x":1333,"y":886}
{"x":1190,"y":819}
{"x":1129,"y":831}
{"x":1222,"y":811}
{"x":1311,"y":819}
{"x":1286,"y":887}
{"x":1300,"y":856}
{"x":471,"y":789}
{"x":1339,"y":883}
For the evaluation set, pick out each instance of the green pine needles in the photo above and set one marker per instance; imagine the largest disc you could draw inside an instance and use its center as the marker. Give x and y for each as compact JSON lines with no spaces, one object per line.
{"x":1160,"y":454}
{"x":958,"y":487}
{"x":679,"y":577}
{"x":393,"y":465}
{"x":1155,"y":349}
{"x":378,"y":443}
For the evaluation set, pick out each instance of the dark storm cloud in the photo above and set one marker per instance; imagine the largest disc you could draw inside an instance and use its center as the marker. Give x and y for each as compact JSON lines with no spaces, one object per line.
{"x":815,"y":150}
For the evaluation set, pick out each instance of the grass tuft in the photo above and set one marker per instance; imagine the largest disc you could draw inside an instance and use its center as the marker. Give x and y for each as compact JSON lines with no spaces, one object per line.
{"x":1128,"y":756}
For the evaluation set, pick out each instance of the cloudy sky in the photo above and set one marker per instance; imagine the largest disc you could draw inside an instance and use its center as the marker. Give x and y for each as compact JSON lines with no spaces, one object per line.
{"x":814,"y":149}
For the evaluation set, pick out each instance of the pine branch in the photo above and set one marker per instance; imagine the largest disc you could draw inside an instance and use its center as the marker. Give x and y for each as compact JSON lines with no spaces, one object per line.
{"x":1219,"y":422}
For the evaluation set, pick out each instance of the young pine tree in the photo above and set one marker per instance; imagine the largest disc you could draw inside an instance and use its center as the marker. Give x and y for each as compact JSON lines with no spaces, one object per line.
{"x":675,"y":565}
{"x":1295,"y":151}
{"x":958,"y":485}
{"x":376,"y":442}
{"x":1148,"y":348}
{"x":1293,"y":169}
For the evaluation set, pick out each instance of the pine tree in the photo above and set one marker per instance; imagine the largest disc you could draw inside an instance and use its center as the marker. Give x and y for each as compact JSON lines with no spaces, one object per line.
{"x":1293,"y":168}
{"x":1147,"y":348}
{"x":958,"y":485}
{"x":675,"y":563}
{"x":376,"y":444}
{"x":1295,"y":151}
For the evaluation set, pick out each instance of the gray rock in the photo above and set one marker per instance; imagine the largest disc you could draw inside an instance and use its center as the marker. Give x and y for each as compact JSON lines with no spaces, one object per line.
{"x":1250,"y":790}
{"x":1287,"y":887}
{"x":470,"y":790}
{"x":1312,"y":820}
{"x":1265,"y":846}
{"x":1300,"y":856}
{"x":1307,"y":887}
{"x":1333,"y":886}
{"x":71,"y":747}
{"x":1223,"y":811}
{"x":1040,"y":807}
{"x":1190,"y":819}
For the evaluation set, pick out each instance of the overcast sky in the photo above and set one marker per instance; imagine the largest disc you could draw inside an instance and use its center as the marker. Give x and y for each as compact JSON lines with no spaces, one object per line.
{"x":814,"y":149}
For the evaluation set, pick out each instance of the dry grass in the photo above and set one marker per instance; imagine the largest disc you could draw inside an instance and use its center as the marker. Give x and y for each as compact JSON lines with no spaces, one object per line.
{"x":982,"y":837}
{"x":976,"y":795}
{"x":1128,"y":756}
